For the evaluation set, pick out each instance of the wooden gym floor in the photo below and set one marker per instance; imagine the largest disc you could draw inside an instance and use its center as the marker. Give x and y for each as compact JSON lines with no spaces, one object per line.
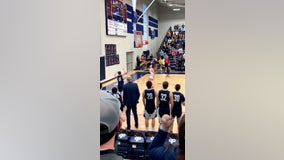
{"x":173,"y":79}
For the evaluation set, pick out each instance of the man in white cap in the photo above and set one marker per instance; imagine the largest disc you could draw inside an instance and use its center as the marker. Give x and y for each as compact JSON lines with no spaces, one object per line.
{"x":110,"y":124}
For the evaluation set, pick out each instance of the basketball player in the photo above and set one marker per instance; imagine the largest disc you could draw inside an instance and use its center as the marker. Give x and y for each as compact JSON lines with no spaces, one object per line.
{"x":119,"y":97}
{"x":152,"y":73}
{"x":149,"y":103}
{"x":164,"y":101}
{"x":120,"y":80}
{"x":179,"y":100}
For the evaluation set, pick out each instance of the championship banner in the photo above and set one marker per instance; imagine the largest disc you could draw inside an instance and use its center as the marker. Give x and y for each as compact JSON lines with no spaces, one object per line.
{"x":116,"y":18}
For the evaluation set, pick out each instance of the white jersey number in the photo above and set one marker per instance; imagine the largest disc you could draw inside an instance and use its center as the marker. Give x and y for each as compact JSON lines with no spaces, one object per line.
{"x":176,"y":98}
{"x":163,"y":97}
{"x":149,"y":96}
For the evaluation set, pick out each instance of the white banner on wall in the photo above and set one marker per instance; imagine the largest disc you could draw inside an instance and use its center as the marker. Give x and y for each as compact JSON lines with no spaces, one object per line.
{"x":145,"y":23}
{"x":116,"y":28}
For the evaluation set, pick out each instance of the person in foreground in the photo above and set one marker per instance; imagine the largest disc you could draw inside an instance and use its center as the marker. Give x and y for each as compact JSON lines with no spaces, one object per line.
{"x":110,"y":123}
{"x":157,"y":149}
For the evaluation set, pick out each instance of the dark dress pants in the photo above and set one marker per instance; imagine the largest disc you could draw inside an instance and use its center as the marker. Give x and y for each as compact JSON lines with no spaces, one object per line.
{"x":134,"y":111}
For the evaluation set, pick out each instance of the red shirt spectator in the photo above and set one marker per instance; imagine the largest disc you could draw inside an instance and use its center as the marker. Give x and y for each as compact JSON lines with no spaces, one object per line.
{"x":142,"y":59}
{"x":174,"y":52}
{"x":167,"y":61}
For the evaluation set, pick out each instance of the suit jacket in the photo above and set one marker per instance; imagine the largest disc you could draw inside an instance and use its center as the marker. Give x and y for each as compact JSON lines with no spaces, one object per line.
{"x":131,"y":94}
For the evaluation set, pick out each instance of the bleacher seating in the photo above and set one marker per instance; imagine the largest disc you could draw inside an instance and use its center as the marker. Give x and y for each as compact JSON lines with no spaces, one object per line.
{"x":173,"y":46}
{"x":134,"y":144}
{"x":137,"y":145}
{"x":122,"y":144}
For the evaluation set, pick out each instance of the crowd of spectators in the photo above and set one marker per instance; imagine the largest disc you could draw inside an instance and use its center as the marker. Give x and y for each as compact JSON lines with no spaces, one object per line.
{"x":174,"y":39}
{"x":172,"y":47}
{"x":145,"y":61}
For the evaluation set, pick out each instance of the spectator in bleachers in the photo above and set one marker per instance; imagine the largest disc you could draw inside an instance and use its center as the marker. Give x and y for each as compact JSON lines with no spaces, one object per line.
{"x":166,"y":48}
{"x":180,"y":50}
{"x":149,"y":58}
{"x":138,"y":63}
{"x":157,"y":150}
{"x":143,"y":62}
{"x":174,"y":53}
{"x":180,"y":62}
{"x":142,"y":59}
{"x":160,"y":63}
{"x":161,"y":53}
{"x":169,"y":34}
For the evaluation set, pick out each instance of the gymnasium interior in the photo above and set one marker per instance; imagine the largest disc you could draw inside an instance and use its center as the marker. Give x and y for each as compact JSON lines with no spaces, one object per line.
{"x":50,"y":69}
{"x":134,"y":36}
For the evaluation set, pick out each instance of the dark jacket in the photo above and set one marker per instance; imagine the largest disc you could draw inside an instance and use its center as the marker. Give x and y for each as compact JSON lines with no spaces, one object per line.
{"x":131,"y":94}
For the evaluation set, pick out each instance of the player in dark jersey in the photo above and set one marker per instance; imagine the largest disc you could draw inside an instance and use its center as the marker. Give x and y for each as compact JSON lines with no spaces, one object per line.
{"x":150,"y":112}
{"x":179,"y":100}
{"x":118,"y":96}
{"x":164,"y":101}
{"x":120,"y":81}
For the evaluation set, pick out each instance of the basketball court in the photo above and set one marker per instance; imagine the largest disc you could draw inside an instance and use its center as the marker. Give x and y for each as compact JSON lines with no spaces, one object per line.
{"x":141,"y":77}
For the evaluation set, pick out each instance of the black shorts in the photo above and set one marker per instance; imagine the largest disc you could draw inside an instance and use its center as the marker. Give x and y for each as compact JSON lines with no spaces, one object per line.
{"x":176,"y":114}
{"x":163,"y":111}
{"x":120,"y":88}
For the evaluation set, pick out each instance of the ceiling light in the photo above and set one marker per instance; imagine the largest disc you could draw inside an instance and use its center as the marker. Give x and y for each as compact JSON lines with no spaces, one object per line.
{"x":176,"y":9}
{"x":170,"y":4}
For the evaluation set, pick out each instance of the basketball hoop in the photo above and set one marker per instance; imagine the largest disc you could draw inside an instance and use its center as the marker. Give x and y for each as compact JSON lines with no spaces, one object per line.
{"x":138,"y":39}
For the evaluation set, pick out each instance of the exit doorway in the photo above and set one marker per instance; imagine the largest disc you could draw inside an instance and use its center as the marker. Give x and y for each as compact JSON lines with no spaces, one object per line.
{"x":129,"y":61}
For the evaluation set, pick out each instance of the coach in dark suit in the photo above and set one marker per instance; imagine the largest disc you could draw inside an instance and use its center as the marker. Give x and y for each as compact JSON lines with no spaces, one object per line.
{"x":131,"y":96}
